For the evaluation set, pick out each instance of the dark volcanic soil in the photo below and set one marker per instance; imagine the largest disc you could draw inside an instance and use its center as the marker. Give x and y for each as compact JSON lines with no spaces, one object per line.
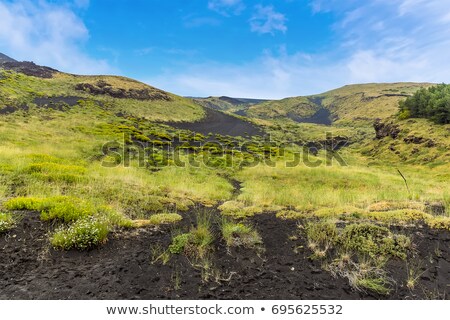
{"x":220,"y":123}
{"x":122,"y":268}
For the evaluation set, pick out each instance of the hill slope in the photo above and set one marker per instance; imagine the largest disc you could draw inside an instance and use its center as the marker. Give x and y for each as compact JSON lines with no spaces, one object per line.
{"x":4,"y":58}
{"x":352,"y":102}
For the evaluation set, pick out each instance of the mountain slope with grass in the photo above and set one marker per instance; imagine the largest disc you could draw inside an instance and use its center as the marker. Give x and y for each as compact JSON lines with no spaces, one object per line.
{"x":176,"y":195}
{"x":349,"y":103}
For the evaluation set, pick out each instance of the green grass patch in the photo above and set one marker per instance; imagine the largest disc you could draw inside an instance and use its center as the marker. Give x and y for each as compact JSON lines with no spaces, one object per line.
{"x":157,"y":219}
{"x":378,"y":285}
{"x":197,"y":242}
{"x":7,"y":221}
{"x":240,"y":235}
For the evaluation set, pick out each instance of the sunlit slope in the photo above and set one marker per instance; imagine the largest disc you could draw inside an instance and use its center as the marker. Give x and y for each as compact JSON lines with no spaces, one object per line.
{"x":352,"y":102}
{"x":119,"y":94}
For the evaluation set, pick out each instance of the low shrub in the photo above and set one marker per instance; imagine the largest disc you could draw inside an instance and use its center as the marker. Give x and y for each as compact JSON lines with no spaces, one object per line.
{"x":82,"y":234}
{"x":179,"y":243}
{"x":291,"y":215}
{"x":239,"y":234}
{"x":373,"y":240}
{"x":24,"y":203}
{"x":67,"y":209}
{"x":7,"y":222}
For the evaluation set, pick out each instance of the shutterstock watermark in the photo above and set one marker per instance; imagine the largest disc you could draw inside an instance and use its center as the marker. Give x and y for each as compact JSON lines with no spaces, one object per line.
{"x":182,"y":151}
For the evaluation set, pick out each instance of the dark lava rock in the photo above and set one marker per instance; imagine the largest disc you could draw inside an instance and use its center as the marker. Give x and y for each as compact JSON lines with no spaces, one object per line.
{"x":29,"y":68}
{"x":383,"y":130}
{"x":103,"y":88}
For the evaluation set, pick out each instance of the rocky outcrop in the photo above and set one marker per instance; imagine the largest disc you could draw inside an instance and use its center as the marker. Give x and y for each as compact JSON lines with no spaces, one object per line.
{"x":383,"y":130}
{"x":29,"y":68}
{"x":103,"y":88}
{"x":419,"y":140}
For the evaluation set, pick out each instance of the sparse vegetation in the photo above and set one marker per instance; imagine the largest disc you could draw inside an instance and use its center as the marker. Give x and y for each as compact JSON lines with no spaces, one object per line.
{"x":358,"y":252}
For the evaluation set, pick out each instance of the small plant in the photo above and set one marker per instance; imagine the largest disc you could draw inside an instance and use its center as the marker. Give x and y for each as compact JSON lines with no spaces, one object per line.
{"x":176,"y":279}
{"x":179,"y":243}
{"x":239,"y":234}
{"x":377,"y":284}
{"x":159,"y":254}
{"x":322,"y":235}
{"x":83,"y":234}
{"x":414,"y":275}
{"x":7,"y":222}
{"x":23,"y":203}
{"x":197,"y":242}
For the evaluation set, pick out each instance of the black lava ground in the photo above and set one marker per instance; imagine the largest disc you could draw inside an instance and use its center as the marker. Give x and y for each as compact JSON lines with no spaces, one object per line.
{"x":123,"y":268}
{"x":219,"y":123}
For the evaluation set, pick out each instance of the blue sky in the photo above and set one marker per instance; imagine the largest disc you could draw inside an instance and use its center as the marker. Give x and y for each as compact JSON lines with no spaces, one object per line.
{"x":244,"y":48}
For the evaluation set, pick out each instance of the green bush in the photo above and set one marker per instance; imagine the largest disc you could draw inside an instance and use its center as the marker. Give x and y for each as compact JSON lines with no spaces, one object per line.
{"x":83,"y":234}
{"x":179,"y":243}
{"x":323,"y":233}
{"x":432,"y":103}
{"x":373,"y":240}
{"x":24,"y":203}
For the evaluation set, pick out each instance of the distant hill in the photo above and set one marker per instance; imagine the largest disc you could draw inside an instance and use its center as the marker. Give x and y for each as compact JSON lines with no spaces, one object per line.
{"x":40,"y":85}
{"x":229,"y":104}
{"x":349,"y":103}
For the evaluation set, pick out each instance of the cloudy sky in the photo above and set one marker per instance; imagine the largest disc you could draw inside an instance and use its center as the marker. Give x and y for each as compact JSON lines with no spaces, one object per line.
{"x":241,"y":48}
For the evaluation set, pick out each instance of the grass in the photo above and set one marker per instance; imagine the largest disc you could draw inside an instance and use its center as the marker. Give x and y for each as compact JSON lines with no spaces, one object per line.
{"x":237,"y":234}
{"x":158,"y":219}
{"x":357,"y":251}
{"x":322,"y":236}
{"x":7,"y":222}
{"x":236,"y":209}
{"x":197,"y":242}
{"x":305,"y":189}
{"x":378,"y":285}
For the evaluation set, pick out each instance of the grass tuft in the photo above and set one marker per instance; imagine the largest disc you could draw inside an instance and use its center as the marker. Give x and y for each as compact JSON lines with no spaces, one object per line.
{"x":240,"y":234}
{"x":7,"y":221}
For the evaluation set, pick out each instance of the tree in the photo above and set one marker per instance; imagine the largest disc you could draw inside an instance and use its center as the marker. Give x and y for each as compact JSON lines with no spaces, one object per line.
{"x":432,"y":103}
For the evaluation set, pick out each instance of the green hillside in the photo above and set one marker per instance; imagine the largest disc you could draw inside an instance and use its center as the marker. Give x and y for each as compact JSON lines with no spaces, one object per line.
{"x":352,"y":102}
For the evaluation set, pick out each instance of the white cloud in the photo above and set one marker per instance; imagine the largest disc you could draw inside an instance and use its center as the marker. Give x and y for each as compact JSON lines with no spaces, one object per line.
{"x":378,"y":41}
{"x":272,"y":75}
{"x":226,"y":7}
{"x":48,"y":34}
{"x":267,"y":20}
